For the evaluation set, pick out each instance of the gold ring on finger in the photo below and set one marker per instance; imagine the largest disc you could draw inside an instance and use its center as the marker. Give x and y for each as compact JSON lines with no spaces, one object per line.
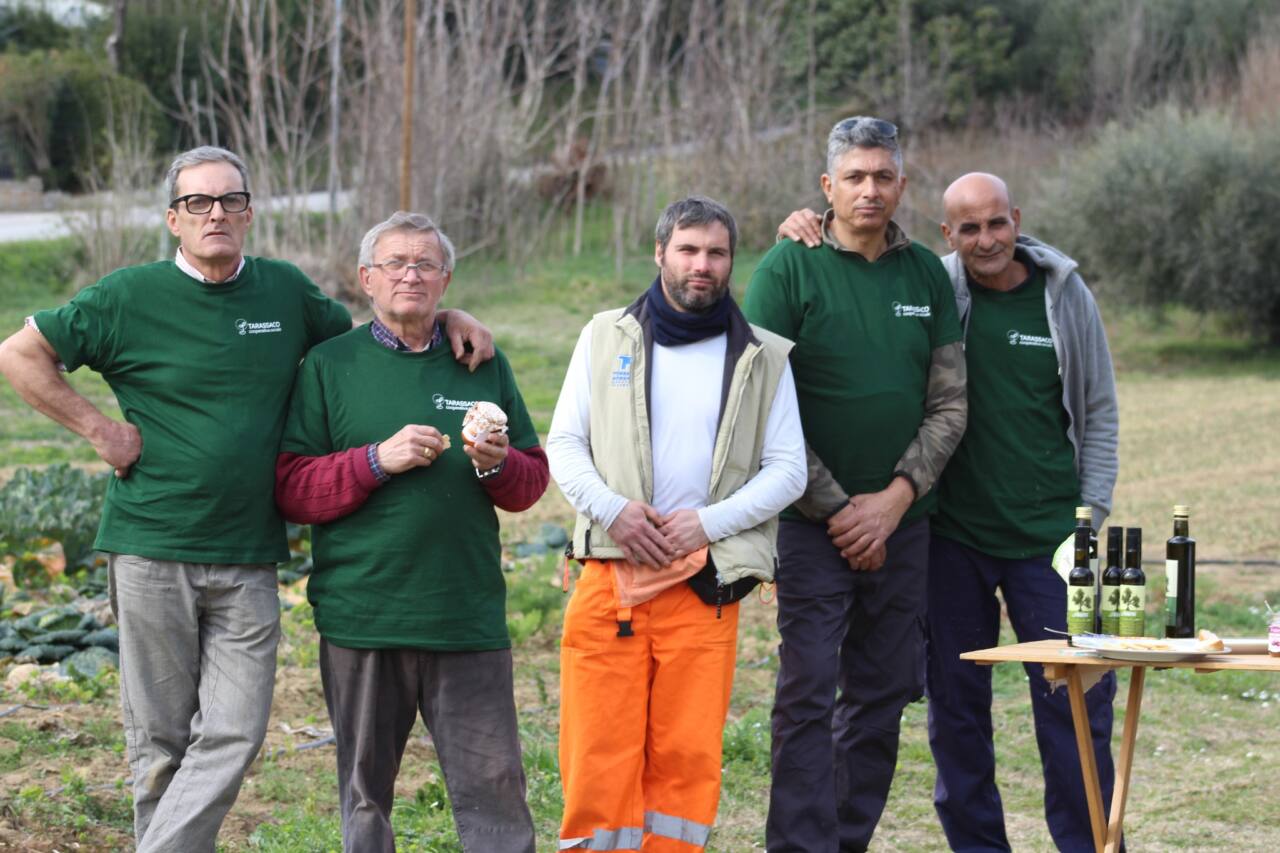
{"x":426,"y":451}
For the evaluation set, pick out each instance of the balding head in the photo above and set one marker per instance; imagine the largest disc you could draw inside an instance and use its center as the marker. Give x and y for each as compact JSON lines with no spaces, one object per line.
{"x":976,"y":188}
{"x":982,"y":226}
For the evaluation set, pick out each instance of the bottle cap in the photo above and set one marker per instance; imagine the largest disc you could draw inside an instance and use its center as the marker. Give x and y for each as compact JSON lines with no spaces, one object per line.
{"x":1182,"y":511}
{"x":1084,"y":513}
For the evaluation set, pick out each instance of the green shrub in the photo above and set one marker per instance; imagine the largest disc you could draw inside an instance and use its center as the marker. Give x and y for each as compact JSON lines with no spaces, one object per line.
{"x":24,"y":29}
{"x":57,"y":503}
{"x":64,"y":108}
{"x":1178,"y":209}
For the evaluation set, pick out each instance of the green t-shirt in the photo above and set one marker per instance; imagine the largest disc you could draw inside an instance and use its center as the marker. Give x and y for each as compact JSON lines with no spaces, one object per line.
{"x":203,"y":371}
{"x":864,"y":336}
{"x":419,"y":564}
{"x":1010,"y":488}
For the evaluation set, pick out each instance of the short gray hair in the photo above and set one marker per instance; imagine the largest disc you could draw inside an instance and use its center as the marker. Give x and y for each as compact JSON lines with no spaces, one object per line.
{"x":862,"y":132}
{"x":401,"y":220}
{"x":196,"y":156}
{"x":691,"y":212}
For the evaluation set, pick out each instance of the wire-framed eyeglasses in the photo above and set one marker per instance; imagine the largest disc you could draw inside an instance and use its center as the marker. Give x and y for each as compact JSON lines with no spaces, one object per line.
{"x":396,"y":269}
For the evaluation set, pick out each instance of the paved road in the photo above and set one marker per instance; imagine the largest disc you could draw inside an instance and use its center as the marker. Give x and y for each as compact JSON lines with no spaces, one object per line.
{"x":43,"y":225}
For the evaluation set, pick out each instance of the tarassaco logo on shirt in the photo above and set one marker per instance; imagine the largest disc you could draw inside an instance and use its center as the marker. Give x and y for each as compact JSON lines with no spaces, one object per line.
{"x":442,"y":402}
{"x":621,"y":376}
{"x":900,"y":310}
{"x":248,"y":327}
{"x":1020,"y":339}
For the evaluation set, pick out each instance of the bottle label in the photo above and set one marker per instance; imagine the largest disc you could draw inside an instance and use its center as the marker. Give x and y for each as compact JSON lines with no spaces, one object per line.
{"x":1079,"y":610}
{"x":1132,"y":617}
{"x":1110,"y":602}
{"x":1171,"y":578}
{"x":1110,"y":608}
{"x":1273,"y":638}
{"x":1133,"y":599}
{"x":1079,"y":621}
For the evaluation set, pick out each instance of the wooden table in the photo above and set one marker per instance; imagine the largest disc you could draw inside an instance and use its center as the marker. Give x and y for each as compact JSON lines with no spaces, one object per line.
{"x":1061,"y":662}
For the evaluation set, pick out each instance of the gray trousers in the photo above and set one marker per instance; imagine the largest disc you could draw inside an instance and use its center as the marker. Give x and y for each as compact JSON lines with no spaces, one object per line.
{"x":468,"y":704}
{"x":197,"y":667}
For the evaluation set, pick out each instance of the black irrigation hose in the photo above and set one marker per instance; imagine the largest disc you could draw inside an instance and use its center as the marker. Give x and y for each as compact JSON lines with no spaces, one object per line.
{"x":284,"y":750}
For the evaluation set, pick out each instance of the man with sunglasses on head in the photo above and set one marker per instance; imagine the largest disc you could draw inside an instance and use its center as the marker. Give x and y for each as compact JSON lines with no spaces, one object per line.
{"x":201,"y":353}
{"x":880,"y":379}
{"x":1042,"y":438}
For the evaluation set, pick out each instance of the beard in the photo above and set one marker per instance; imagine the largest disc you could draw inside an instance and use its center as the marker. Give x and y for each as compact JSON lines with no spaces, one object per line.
{"x":694,"y":301}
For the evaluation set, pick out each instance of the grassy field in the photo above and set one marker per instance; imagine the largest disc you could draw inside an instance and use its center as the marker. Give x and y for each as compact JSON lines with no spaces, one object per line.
{"x":1198,"y":415}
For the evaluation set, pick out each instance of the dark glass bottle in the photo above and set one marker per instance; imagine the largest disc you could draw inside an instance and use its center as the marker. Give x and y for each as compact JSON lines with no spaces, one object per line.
{"x":1109,"y":601}
{"x":1133,"y":587}
{"x":1081,"y":603}
{"x":1082,"y":518}
{"x":1180,"y":577}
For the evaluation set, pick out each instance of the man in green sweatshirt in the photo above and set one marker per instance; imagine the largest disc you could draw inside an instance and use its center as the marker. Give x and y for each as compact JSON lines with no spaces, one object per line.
{"x":201,"y":351}
{"x":880,"y":379}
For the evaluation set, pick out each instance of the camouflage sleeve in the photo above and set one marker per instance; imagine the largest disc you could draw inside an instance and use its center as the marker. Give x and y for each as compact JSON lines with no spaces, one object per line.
{"x":823,"y":495}
{"x":946,"y":409}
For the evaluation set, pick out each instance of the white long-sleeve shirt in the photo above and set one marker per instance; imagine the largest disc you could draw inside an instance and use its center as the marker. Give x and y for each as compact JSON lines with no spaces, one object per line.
{"x":684,"y":408}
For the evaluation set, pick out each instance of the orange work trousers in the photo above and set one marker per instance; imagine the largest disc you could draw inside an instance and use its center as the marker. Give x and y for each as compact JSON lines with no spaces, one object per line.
{"x":642,"y":717}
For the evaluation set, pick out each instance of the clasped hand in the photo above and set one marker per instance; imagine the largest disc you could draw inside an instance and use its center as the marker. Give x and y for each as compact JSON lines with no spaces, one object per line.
{"x":650,"y":538}
{"x":862,"y":528}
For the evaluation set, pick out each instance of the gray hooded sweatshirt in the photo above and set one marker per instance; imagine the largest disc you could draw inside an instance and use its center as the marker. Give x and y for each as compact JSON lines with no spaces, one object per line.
{"x":1084,"y":364}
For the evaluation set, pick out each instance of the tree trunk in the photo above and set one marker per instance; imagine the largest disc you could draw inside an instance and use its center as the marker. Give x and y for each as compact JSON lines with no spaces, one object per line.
{"x":119,"y":7}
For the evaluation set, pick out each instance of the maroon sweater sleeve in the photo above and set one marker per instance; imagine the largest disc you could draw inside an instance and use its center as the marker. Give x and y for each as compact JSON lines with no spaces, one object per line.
{"x":317,"y":489}
{"x":522,"y":481}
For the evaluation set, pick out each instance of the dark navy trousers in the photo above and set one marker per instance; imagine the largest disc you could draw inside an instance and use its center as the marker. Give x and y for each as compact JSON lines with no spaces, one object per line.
{"x":862,"y":632}
{"x":964,"y":615}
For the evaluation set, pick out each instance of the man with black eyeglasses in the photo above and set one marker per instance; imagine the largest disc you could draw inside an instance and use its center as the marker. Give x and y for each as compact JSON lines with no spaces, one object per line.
{"x":880,"y":379}
{"x":201,"y":353}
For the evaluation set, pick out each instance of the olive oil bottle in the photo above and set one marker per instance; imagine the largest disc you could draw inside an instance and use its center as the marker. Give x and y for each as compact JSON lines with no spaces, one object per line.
{"x":1133,"y":587}
{"x":1109,"y":601}
{"x":1081,"y":604}
{"x":1083,"y":518}
{"x":1180,"y":577}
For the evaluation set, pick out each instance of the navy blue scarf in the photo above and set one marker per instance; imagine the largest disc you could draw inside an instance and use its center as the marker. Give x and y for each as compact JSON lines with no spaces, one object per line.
{"x":671,"y":328}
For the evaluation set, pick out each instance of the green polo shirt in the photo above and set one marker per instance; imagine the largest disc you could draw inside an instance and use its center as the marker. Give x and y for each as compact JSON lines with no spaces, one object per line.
{"x":418,"y":565}
{"x":204,"y":372}
{"x":864,"y":333}
{"x":1011,"y":486}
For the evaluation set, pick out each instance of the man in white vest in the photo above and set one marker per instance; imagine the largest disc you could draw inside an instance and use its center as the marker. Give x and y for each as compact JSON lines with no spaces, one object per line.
{"x":677,"y":439}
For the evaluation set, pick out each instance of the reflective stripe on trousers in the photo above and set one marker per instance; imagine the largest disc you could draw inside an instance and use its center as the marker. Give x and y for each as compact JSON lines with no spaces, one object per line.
{"x":626,"y":838}
{"x":629,"y":837}
{"x":679,"y":828}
